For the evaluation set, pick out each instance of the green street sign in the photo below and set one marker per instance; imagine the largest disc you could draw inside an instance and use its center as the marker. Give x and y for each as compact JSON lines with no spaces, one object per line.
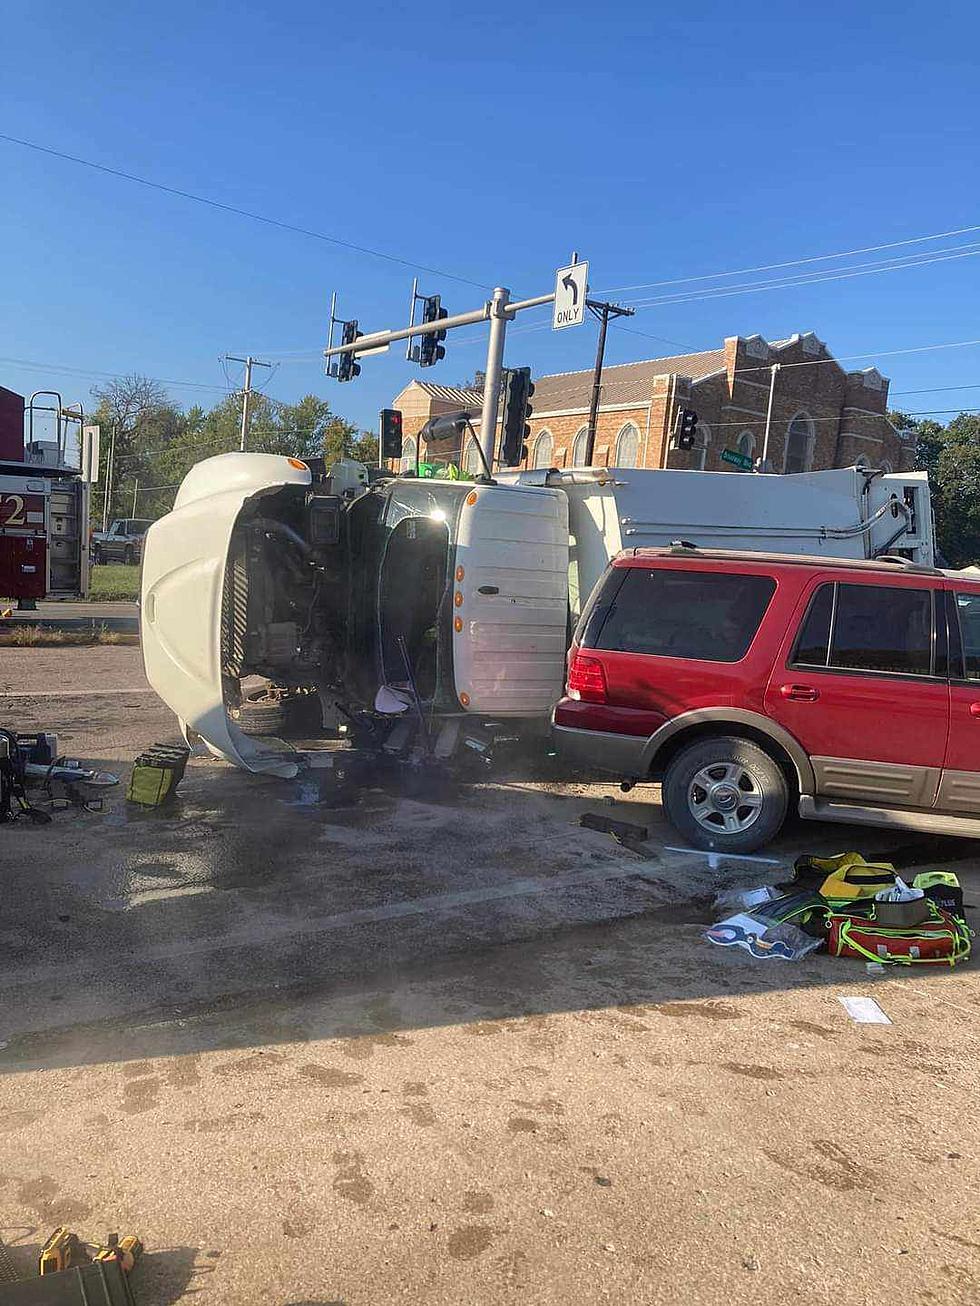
{"x":740,"y":460}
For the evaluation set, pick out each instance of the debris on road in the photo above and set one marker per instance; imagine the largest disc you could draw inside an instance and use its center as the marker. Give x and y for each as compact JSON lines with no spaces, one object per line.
{"x":864,"y":1011}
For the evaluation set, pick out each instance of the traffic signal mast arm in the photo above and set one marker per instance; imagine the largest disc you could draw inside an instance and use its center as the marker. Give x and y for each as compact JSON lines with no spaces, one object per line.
{"x":378,"y":339}
{"x":498,"y":310}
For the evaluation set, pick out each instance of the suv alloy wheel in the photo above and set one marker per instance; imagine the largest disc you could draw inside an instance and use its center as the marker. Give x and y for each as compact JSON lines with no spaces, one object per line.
{"x":725,"y":794}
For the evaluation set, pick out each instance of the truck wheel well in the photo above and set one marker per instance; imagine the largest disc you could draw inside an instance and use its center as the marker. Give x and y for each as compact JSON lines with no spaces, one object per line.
{"x":715,"y":729}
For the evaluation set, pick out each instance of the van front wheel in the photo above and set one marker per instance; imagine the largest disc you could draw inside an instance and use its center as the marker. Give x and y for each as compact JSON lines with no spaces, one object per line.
{"x":725,"y":794}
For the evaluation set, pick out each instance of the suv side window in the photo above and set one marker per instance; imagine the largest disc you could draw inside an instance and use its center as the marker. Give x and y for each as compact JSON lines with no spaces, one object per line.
{"x":968,"y":612}
{"x":710,"y":616}
{"x":868,"y":628}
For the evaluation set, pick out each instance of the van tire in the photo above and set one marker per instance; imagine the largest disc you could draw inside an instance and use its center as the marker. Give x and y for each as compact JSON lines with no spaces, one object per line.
{"x":702,"y":787}
{"x":259,"y":717}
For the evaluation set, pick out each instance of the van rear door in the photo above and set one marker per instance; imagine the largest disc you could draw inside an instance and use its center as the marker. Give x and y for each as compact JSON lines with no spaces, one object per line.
{"x":510,"y":600}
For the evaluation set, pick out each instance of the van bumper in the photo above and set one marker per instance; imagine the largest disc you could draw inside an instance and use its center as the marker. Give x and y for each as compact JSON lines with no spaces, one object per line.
{"x":621,"y":755}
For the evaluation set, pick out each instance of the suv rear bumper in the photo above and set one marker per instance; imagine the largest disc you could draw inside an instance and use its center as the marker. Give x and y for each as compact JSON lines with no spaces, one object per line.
{"x":621,"y":755}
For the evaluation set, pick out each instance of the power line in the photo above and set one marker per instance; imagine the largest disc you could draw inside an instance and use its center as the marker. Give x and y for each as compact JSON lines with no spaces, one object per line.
{"x":89,"y":373}
{"x":239,"y":212}
{"x":870,"y":353}
{"x":796,"y":262}
{"x":862,"y":270}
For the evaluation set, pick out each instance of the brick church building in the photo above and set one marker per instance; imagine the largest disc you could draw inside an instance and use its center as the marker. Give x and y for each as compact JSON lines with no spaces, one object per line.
{"x":822,"y":415}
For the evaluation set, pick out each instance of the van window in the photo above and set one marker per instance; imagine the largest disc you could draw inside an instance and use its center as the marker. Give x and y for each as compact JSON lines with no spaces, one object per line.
{"x":708,"y":615}
{"x":874,"y":628}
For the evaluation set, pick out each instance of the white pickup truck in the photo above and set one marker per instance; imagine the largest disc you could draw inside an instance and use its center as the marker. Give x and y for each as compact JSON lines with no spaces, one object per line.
{"x":449,"y":602}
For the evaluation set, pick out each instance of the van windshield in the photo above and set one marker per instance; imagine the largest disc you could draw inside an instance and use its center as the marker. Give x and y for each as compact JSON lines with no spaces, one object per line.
{"x":416,"y":585}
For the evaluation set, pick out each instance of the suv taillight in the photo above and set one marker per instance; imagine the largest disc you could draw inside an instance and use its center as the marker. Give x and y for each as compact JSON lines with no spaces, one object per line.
{"x":587,"y":680}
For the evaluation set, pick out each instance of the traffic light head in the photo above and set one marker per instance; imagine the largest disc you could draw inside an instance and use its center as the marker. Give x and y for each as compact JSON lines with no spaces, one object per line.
{"x":431,"y":349}
{"x":687,"y":425}
{"x":347,"y":365}
{"x":390,"y":434}
{"x":518,"y":390}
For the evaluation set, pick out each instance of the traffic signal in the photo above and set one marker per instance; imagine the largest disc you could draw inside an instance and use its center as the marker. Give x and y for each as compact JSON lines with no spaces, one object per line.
{"x":516,"y":410}
{"x":431,"y":349}
{"x":347,"y":365}
{"x":391,"y":434}
{"x":687,"y":424}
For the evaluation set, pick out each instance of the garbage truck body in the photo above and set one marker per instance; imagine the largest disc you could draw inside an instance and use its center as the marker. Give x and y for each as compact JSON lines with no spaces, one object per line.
{"x":277,"y":604}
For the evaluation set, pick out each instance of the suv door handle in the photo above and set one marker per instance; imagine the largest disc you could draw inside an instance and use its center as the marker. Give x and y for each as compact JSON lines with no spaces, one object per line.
{"x":975,"y":709}
{"x":800,"y":693}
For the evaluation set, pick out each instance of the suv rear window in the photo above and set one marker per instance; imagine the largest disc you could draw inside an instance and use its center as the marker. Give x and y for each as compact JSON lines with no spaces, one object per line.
{"x":711,"y":616}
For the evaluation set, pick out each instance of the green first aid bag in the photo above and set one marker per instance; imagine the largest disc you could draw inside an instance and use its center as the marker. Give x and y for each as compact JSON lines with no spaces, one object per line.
{"x":156,"y":774}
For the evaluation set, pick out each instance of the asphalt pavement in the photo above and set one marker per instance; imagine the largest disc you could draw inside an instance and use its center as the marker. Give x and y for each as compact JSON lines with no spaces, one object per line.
{"x":449,"y":1046}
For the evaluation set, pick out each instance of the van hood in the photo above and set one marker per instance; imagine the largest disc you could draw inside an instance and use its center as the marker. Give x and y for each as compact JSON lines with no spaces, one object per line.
{"x":185,"y":555}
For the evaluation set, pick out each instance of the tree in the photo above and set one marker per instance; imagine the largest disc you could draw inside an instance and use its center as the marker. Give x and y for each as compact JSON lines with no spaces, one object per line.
{"x":156,"y":444}
{"x":137,"y":418}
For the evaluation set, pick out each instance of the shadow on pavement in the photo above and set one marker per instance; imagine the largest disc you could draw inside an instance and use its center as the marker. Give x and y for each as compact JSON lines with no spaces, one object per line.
{"x":254,"y":914}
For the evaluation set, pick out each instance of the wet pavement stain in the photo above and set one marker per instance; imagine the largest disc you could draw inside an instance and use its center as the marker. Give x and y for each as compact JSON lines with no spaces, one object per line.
{"x":420,"y":1113}
{"x":350,"y":1181}
{"x":261,"y":1061}
{"x":361,"y":1049}
{"x":751,"y":1072}
{"x":140,"y":1095}
{"x":522,"y":1125}
{"x":13,"y":1120}
{"x":329,"y":1076}
{"x":469,"y":1241}
{"x":184,"y":1072}
{"x":706,"y":1010}
{"x":43,"y":1195}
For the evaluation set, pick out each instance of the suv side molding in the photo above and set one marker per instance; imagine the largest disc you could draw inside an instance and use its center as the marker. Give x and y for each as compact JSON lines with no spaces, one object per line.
{"x":733,"y":716}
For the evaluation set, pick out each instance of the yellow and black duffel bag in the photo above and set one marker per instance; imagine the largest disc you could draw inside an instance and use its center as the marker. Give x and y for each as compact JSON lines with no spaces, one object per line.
{"x":846,"y":877}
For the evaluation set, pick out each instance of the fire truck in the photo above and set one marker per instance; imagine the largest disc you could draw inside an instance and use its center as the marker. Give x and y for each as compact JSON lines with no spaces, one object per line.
{"x":49,"y":459}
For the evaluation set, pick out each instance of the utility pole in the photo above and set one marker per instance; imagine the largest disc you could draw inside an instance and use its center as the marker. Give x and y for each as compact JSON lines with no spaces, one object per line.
{"x":136,"y":490}
{"x":249,"y":362}
{"x":603,"y":312}
{"x":110,"y":467}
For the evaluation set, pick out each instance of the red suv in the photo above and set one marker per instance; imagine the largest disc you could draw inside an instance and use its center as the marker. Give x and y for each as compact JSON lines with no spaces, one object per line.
{"x":750,"y":681}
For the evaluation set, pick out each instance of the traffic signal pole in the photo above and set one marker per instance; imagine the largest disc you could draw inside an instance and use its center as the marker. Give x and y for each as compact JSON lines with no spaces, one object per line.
{"x":495,"y":363}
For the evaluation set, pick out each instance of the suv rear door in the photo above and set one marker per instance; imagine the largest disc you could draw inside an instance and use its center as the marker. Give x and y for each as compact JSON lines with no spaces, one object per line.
{"x":861,"y":682}
{"x":959,"y":789}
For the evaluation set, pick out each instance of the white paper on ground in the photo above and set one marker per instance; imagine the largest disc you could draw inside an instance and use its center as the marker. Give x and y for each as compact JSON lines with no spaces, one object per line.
{"x":864,"y":1010}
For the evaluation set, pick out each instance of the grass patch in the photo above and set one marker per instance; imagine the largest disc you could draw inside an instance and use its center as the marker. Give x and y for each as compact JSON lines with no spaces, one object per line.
{"x":111,"y":582}
{"x":23,"y":636}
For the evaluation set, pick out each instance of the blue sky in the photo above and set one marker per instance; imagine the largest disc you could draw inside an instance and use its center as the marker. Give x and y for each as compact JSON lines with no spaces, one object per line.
{"x":659,"y":141}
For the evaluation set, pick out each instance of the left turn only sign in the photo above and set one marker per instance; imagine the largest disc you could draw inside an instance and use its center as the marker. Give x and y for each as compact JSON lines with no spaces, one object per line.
{"x":571,"y":288}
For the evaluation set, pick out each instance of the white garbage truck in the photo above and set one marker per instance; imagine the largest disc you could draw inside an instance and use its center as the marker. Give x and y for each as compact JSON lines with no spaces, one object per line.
{"x":277,"y":603}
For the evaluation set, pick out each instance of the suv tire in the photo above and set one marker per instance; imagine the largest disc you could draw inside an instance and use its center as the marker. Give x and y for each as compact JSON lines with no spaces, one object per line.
{"x":725,"y":794}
